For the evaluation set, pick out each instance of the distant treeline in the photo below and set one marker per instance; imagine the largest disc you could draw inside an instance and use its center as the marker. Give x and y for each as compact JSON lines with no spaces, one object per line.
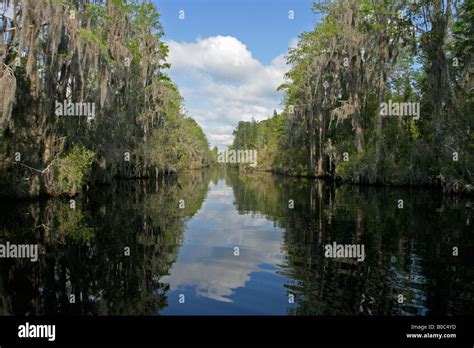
{"x":378,"y":92}
{"x":102,"y":56}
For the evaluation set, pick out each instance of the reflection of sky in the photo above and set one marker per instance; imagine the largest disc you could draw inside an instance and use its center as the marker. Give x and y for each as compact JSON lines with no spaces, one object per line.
{"x":213,"y":280}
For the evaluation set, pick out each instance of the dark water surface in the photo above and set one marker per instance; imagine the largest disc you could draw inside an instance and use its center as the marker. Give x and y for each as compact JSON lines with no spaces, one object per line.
{"x":189,"y":254}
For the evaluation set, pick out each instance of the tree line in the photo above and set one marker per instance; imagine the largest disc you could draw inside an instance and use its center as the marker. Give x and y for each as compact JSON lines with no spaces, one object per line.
{"x":109,"y":54}
{"x":378,"y":92}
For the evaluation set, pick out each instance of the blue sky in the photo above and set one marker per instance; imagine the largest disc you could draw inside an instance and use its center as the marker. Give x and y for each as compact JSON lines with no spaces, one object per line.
{"x":227,"y":57}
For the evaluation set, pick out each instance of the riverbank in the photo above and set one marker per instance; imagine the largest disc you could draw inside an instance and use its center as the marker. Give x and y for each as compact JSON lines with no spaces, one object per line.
{"x":467,"y":190}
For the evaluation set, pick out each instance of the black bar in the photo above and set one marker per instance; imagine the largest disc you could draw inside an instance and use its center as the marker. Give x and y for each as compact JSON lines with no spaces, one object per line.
{"x":241,"y":330}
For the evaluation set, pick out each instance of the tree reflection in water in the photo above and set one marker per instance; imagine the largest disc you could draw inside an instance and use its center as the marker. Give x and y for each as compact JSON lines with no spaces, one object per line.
{"x":173,"y":250}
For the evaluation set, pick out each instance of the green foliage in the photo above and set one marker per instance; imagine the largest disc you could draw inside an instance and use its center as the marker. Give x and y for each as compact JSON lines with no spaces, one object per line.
{"x":75,"y":169}
{"x":404,"y":67}
{"x":115,"y":54}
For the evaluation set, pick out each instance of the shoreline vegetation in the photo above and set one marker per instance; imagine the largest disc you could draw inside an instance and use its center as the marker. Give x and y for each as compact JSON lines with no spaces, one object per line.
{"x":350,"y":97}
{"x":106,"y":58}
{"x":378,"y":93}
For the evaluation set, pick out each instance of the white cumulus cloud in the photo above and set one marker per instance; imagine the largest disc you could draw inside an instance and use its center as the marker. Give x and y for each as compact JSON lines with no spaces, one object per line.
{"x":222,"y":83}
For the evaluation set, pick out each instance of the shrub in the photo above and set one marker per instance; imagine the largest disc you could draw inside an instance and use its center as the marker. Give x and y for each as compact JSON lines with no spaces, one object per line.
{"x":75,"y":169}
